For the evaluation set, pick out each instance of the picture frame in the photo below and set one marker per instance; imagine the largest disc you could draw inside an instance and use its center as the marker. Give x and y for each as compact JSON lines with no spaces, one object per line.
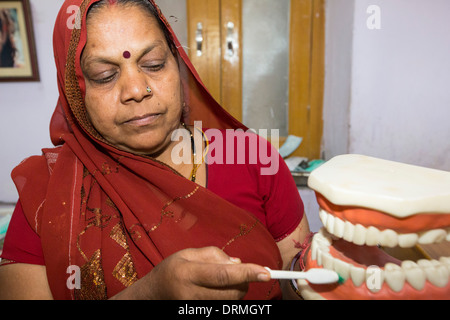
{"x":18,"y":59}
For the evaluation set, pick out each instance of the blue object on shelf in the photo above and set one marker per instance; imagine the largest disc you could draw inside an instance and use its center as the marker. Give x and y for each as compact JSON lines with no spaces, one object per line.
{"x":292,"y":143}
{"x":310,"y":167}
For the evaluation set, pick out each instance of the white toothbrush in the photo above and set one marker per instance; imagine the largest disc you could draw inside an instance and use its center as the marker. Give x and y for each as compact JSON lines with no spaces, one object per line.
{"x":314,"y":276}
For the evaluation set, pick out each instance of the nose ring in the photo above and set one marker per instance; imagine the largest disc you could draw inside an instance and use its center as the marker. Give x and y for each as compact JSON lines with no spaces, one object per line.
{"x":149,"y":90}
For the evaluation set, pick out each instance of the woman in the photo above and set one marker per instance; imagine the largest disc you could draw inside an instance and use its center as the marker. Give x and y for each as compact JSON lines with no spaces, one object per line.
{"x":109,"y":214}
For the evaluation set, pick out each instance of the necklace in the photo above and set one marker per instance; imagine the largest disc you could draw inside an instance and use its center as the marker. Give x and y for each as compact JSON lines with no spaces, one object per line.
{"x":193,"y":176}
{"x":195,"y":167}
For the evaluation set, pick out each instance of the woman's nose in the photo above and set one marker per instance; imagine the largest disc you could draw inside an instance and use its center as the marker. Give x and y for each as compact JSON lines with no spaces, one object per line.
{"x":134,"y":86}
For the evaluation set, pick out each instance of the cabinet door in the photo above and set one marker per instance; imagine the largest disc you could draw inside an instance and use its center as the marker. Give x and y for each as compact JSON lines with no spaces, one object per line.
{"x":214,"y":42}
{"x":306,"y":75}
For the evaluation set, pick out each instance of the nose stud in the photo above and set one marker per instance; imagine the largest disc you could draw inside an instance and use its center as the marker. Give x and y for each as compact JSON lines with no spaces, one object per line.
{"x":149,"y":90}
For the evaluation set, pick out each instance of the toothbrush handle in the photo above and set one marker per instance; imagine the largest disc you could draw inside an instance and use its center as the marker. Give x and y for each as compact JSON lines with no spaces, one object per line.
{"x":286,"y":275}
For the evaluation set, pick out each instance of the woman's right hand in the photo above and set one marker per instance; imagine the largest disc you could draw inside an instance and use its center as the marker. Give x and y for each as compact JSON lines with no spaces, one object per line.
{"x":197,"y":274}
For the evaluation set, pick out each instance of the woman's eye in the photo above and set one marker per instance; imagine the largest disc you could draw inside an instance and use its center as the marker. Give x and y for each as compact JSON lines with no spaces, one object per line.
{"x":105,"y":79}
{"x":155,"y":67}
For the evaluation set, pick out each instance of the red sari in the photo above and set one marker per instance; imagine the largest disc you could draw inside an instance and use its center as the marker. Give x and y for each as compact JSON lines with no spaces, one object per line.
{"x":114,"y":214}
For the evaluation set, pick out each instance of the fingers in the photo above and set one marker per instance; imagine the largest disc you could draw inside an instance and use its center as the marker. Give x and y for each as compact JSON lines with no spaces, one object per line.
{"x":217,"y":269}
{"x":222,"y":276}
{"x":224,"y":281}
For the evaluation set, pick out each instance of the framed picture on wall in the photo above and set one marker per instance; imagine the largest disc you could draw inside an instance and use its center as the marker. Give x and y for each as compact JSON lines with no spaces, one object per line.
{"x":18,"y":61}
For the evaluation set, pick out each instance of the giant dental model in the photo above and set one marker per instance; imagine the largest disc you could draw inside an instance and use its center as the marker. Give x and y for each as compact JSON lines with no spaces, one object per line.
{"x":366,"y":203}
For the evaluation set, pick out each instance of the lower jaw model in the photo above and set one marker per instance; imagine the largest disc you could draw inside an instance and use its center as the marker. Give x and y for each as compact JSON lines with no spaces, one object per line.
{"x":367,"y":204}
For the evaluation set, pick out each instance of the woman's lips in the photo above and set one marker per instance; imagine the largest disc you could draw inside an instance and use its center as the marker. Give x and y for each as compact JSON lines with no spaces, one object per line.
{"x":144,"y":120}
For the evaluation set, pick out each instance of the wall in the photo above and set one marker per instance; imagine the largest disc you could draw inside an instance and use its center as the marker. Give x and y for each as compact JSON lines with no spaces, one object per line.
{"x":338,"y":68}
{"x":401,"y":76}
{"x":175,"y":12}
{"x":387,"y":92}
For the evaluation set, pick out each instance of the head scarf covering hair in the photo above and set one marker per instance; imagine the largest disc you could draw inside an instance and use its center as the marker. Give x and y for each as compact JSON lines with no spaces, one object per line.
{"x":113,"y":214}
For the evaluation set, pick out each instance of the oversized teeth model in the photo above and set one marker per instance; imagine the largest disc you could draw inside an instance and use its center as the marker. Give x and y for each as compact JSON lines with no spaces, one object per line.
{"x":365,"y":204}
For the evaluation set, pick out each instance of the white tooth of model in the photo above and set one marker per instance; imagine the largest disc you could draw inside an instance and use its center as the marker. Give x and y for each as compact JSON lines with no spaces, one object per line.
{"x":394,"y":276}
{"x":414,"y":274}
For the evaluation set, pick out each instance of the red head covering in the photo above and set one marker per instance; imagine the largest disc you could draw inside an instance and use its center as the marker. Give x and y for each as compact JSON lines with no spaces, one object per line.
{"x":116,"y":215}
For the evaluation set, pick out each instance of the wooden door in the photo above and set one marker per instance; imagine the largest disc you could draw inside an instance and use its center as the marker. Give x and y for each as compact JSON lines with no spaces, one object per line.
{"x":214,"y":33}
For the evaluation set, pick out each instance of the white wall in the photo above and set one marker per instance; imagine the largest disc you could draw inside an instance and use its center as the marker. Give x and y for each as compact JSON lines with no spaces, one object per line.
{"x":398,"y":106}
{"x":401,"y":83}
{"x":176,"y":13}
{"x":338,"y":69}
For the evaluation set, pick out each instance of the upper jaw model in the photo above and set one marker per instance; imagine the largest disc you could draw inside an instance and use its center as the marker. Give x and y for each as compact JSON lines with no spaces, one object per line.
{"x":367,"y":203}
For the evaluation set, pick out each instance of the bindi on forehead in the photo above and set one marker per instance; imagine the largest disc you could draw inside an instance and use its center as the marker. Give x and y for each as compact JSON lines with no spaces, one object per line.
{"x":127,"y":54}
